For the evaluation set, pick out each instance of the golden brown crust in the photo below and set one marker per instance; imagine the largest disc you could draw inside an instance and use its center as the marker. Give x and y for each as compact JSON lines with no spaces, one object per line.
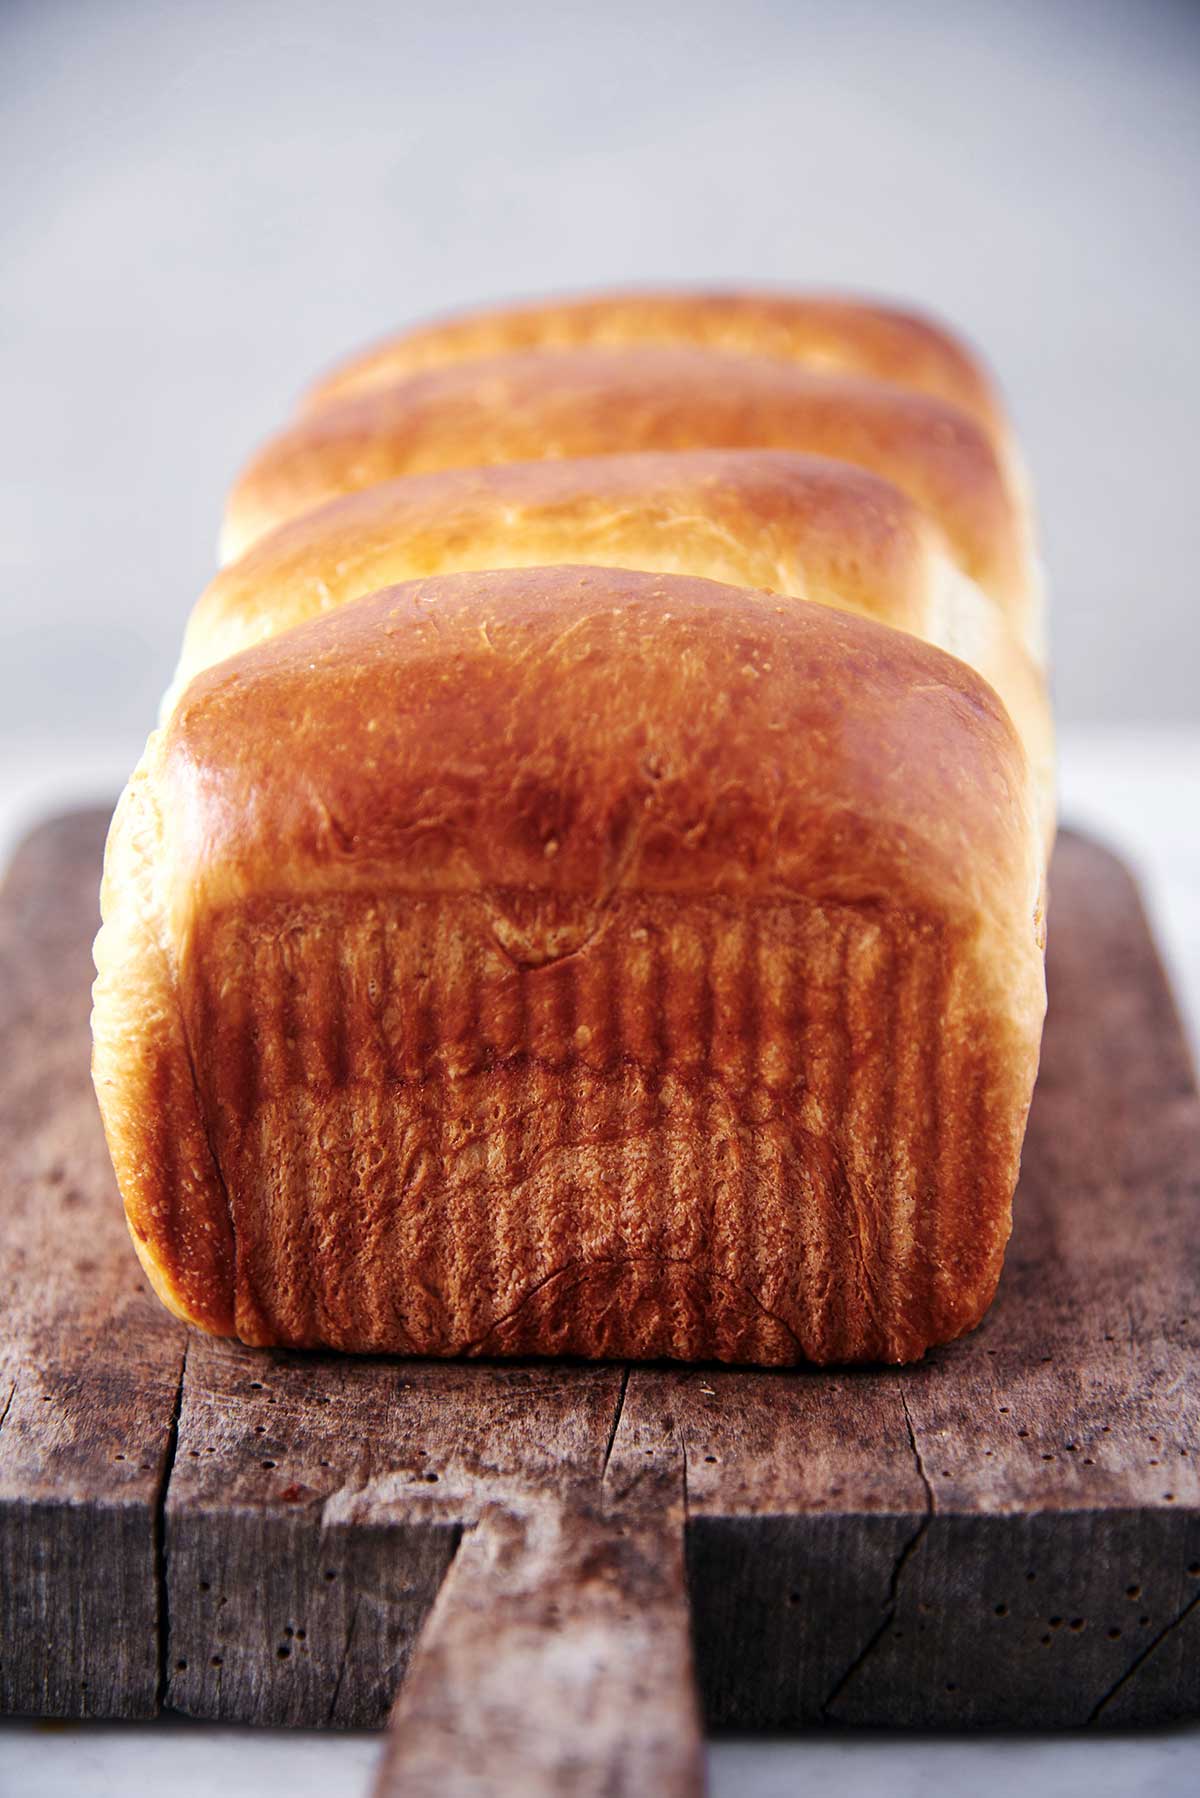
{"x":613,"y":963}
{"x":826,"y":332}
{"x":754,"y":518}
{"x":800,"y":525}
{"x":531,"y":406}
{"x":142,"y":1068}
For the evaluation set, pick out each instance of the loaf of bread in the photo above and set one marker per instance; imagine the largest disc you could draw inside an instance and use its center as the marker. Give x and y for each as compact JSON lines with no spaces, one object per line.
{"x":586,"y":892}
{"x":823,"y":332}
{"x":581,"y":961}
{"x":534,"y":405}
{"x":801,"y":525}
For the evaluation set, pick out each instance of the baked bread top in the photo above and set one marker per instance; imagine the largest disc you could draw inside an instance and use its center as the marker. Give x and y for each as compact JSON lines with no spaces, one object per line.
{"x":800,"y":525}
{"x":566,"y":731}
{"x":804,"y":525}
{"x":827,"y":332}
{"x":535,"y":405}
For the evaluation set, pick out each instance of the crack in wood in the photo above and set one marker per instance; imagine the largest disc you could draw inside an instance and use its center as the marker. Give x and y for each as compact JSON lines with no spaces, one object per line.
{"x":557,"y":1654}
{"x":162,"y":1590}
{"x":12,"y":1393}
{"x":930,"y":1500}
{"x":683,"y":1474}
{"x":341,"y":1672}
{"x":337,"y":1504}
{"x":908,"y":1549}
{"x":1118,"y":1684}
{"x":616,"y":1422}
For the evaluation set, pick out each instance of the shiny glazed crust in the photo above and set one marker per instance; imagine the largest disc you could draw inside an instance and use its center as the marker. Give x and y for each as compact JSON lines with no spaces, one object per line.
{"x":533,"y":406}
{"x":575,"y":960}
{"x":799,"y":525}
{"x":826,"y":332}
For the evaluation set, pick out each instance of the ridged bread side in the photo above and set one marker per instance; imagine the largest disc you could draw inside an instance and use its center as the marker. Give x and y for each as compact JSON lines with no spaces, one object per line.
{"x":753,"y":1134}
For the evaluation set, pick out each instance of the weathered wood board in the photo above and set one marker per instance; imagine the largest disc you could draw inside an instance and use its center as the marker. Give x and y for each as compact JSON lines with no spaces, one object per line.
{"x":1006,"y":1534}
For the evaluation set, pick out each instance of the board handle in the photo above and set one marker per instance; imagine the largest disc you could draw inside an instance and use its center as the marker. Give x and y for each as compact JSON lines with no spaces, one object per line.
{"x":557,"y":1656}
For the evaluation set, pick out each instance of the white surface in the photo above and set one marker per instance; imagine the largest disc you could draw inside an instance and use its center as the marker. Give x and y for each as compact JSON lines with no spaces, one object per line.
{"x":197,"y":1761}
{"x":204,"y":204}
{"x":1137,"y":789}
{"x":106,"y":1760}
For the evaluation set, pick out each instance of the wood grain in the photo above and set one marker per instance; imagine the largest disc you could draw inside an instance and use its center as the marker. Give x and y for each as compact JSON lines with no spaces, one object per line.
{"x":316,"y":1503}
{"x":557,"y":1659}
{"x":1007,"y":1534}
{"x":90,"y":1363}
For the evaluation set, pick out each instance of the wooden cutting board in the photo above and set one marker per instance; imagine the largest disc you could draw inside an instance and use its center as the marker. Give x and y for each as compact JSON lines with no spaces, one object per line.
{"x":555,"y":1558}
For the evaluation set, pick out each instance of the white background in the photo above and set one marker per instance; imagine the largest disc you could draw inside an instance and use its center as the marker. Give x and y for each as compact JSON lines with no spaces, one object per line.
{"x":202,"y":204}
